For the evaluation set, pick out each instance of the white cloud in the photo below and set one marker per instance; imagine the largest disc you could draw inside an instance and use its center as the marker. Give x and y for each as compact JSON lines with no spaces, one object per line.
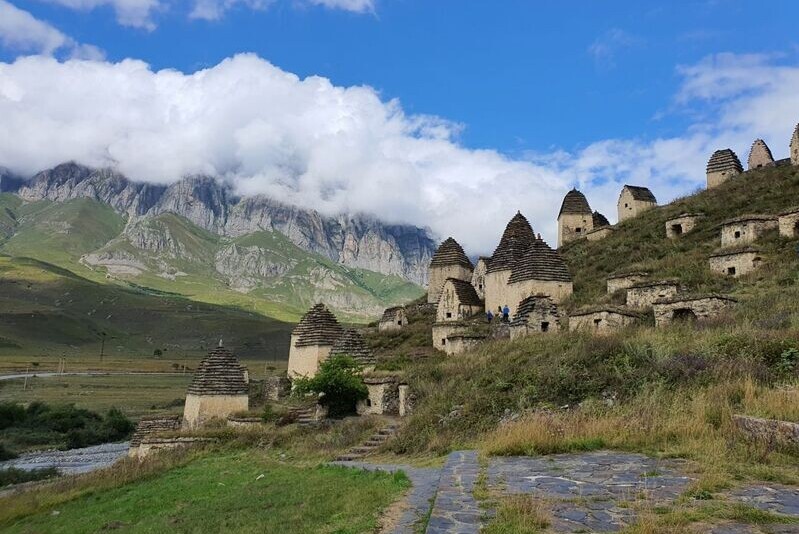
{"x":336,"y":149}
{"x":607,"y":46}
{"x":215,"y":9}
{"x":20,"y":31}
{"x":356,"y":6}
{"x":136,"y":13}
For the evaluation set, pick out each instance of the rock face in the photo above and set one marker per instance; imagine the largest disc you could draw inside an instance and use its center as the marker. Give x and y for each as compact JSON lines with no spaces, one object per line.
{"x":358,"y":241}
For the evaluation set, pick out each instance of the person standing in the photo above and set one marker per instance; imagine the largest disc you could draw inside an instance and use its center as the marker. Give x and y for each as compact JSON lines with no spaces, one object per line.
{"x":506,"y":313}
{"x":489,"y":316}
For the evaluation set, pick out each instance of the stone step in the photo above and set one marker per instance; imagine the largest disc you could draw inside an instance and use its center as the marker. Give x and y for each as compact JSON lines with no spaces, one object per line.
{"x":349,"y":457}
{"x":361,"y":450}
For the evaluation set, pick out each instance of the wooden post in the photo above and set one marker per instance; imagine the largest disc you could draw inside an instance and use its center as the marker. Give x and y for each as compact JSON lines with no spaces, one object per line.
{"x":25,"y":384}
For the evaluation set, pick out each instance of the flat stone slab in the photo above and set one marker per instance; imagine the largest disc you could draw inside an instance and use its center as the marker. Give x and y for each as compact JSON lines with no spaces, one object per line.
{"x":455,"y":510}
{"x":773,"y":498}
{"x":418,"y":501}
{"x":587,"y":491}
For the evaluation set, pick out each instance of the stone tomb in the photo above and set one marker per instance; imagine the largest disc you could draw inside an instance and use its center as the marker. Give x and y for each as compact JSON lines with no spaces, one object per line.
{"x":479,"y":277}
{"x":723,"y":165}
{"x":449,"y":261}
{"x":575,"y":218}
{"x":383,"y":396}
{"x":442,"y":331}
{"x":795,"y":146}
{"x":634,"y":200}
{"x":619,"y":281}
{"x":746,"y":229}
{"x":150,"y":427}
{"x":644,"y":294}
{"x":600,"y":233}
{"x":682,"y":224}
{"x":218,"y":389}
{"x":691,"y":308}
{"x":393,"y":319}
{"x":760,"y":155}
{"x":789,"y":223}
{"x":603,"y":319}
{"x":516,"y":240}
{"x":536,"y":314}
{"x":737,"y":262}
{"x":458,"y":301}
{"x":539,"y":271}
{"x":311,"y":341}
{"x":461,"y":342}
{"x":351,"y":343}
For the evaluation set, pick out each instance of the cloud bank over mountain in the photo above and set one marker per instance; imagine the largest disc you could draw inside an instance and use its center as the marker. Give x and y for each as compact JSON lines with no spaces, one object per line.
{"x":335,"y":149}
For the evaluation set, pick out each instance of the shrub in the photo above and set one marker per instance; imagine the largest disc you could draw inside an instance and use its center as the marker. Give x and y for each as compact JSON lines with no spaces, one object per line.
{"x":6,"y":454}
{"x":339,"y":381}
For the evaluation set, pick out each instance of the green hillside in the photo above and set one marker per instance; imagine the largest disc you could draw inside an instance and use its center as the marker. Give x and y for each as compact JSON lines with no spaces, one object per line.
{"x":264,"y":272}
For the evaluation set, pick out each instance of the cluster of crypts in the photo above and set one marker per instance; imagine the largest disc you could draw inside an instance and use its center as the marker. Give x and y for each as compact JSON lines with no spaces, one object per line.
{"x":524,"y":274}
{"x":532,"y":279}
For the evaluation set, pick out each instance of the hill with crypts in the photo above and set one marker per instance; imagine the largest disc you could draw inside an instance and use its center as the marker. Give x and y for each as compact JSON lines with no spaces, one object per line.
{"x":196,"y":239}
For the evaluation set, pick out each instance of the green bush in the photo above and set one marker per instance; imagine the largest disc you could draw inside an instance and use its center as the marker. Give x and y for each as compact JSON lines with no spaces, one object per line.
{"x":340,"y":383}
{"x":6,"y":454}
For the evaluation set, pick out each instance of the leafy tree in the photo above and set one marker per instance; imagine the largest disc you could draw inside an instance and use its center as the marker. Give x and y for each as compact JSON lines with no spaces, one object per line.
{"x":340,"y":383}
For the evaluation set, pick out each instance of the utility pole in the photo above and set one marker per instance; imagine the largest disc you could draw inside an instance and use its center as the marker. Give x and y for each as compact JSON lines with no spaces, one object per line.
{"x":102,"y":345}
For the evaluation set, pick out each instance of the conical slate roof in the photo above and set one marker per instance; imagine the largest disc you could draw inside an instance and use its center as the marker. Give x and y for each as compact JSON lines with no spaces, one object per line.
{"x":317,"y":327}
{"x":528,"y":305}
{"x":641,"y":193}
{"x":465,"y":292}
{"x":600,"y":220}
{"x":724,"y":160}
{"x":220,"y":373}
{"x":351,"y":343}
{"x":759,"y":155}
{"x":574,"y":202}
{"x":450,"y":253}
{"x":518,"y":236}
{"x":540,"y":262}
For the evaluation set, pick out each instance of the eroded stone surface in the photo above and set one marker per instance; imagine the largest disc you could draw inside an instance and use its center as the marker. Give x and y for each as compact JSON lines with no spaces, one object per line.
{"x":455,"y":509}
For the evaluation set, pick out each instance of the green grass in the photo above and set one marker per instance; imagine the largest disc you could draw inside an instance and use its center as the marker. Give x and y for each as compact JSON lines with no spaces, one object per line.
{"x":226,"y":493}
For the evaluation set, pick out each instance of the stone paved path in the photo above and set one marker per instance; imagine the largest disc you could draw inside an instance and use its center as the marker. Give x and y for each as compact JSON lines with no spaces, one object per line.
{"x":587,"y":490}
{"x":456,"y":511}
{"x":418,"y":502}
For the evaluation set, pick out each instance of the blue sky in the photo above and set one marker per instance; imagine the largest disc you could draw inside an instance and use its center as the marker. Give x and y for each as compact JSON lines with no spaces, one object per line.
{"x":557,"y":91}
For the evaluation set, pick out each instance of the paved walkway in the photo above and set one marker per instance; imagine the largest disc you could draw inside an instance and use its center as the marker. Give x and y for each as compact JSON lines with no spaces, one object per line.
{"x":586,"y":492}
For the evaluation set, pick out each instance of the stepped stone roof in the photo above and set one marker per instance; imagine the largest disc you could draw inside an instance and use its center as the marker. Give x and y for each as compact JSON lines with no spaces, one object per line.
{"x":734,"y":251}
{"x":655,"y":283}
{"x":540,"y":262}
{"x":351,"y":343}
{"x":724,"y":160}
{"x":152,"y":425}
{"x":683,"y":215}
{"x":220,"y":373}
{"x":518,"y":236}
{"x":574,"y":202}
{"x":465,"y":292}
{"x":317,"y":327}
{"x":608,"y":309}
{"x":761,"y":151}
{"x":450,"y":253}
{"x":600,"y":220}
{"x":627,"y":274}
{"x":640,"y":193}
{"x":527,"y":306}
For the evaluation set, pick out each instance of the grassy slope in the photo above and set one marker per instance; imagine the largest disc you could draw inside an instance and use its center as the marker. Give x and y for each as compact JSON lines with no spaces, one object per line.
{"x":48,"y":310}
{"x":224,"y":494}
{"x":60,"y":233}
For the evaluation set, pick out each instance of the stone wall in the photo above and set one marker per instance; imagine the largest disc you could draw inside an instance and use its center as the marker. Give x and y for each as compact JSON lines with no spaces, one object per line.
{"x":518,"y":291}
{"x":544,"y":317}
{"x":573,"y":226}
{"x":304,"y":361}
{"x":736,"y":264}
{"x":795,"y":146}
{"x":601,"y":321}
{"x":397,"y":321}
{"x":771,"y":432}
{"x":644,"y":295}
{"x":276,"y":387}
{"x":715,"y":179}
{"x":681,"y":225}
{"x":383,"y":397}
{"x":441,"y":331}
{"x":478,"y":278}
{"x":460,"y":343}
{"x":153,"y":445}
{"x":744,"y":232}
{"x":628,"y":207}
{"x":789,"y":224}
{"x":406,"y":400}
{"x":200,"y":409}
{"x":439,"y":275}
{"x":624,"y":281}
{"x":497,"y":291}
{"x":599,"y":233}
{"x":451,"y":308}
{"x":690,"y":309}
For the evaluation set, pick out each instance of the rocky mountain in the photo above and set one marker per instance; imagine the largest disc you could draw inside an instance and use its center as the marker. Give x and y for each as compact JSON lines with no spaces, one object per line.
{"x":358,"y":241}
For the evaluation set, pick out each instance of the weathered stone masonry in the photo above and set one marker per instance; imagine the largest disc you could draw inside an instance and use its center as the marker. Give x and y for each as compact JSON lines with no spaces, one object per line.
{"x":575,"y":218}
{"x":617,"y":282}
{"x":603,"y":319}
{"x":644,"y":294}
{"x":691,"y":308}
{"x":449,"y":261}
{"x":634,"y":200}
{"x":682,"y":224}
{"x":737,"y":262}
{"x":746,"y":229}
{"x":723,"y":165}
{"x":218,"y":389}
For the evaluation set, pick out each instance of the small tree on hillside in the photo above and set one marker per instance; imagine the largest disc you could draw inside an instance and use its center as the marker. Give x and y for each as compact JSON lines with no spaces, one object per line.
{"x":340,"y":383}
